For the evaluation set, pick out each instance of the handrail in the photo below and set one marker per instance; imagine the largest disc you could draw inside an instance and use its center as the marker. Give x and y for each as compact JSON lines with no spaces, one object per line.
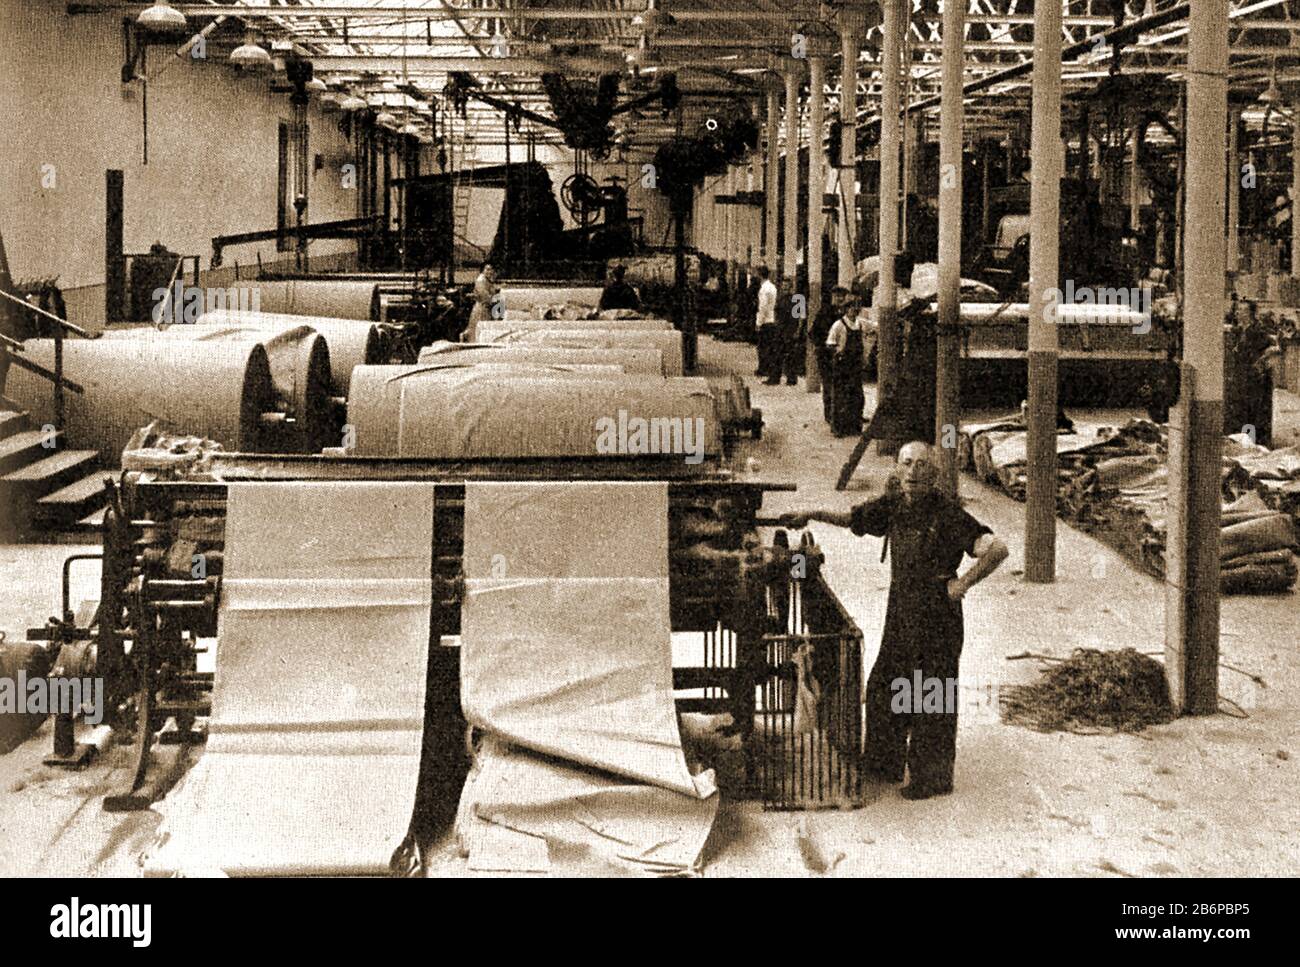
{"x":71,"y":327}
{"x":41,"y":371}
{"x":56,"y":377}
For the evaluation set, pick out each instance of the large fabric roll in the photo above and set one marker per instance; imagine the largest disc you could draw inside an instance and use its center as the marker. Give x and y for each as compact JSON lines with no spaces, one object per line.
{"x":583,"y":325}
{"x":315,"y":297}
{"x":632,"y":359}
{"x":351,"y":342}
{"x":300,"y":373}
{"x":1067,"y":313}
{"x":667,"y":342}
{"x":453,"y":413}
{"x":525,"y":297}
{"x":214,"y":389}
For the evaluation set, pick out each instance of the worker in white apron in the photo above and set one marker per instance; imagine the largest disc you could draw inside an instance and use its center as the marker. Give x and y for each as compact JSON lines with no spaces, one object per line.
{"x":486,"y":291}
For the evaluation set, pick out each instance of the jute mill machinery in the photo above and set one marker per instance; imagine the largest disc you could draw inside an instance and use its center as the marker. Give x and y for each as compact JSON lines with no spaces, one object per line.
{"x":161,"y":590}
{"x":752,"y":605}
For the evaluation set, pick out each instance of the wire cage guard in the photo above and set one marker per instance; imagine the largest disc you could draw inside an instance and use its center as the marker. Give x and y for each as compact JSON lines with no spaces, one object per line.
{"x":809,"y":758}
{"x":807,"y":761}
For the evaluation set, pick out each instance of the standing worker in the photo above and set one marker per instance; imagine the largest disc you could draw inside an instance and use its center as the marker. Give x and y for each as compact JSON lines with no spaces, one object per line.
{"x":486,"y":291}
{"x":927,"y":533}
{"x":819,"y":333}
{"x":769,"y":363}
{"x":846,"y":343}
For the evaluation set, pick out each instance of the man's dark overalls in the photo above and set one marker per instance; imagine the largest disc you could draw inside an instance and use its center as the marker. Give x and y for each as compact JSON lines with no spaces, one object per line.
{"x":821,"y":329}
{"x":927,"y":538}
{"x":847,"y":397}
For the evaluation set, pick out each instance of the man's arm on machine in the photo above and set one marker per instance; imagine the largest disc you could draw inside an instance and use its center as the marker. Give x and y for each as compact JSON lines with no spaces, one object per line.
{"x":989,"y":554}
{"x":840,"y":518}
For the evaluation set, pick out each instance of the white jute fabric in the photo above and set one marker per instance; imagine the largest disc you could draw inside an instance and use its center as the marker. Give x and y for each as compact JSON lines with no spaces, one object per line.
{"x":567,"y":667}
{"x":314,"y":743}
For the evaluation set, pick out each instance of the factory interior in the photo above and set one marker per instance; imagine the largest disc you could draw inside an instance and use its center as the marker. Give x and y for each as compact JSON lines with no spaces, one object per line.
{"x":681,"y":294}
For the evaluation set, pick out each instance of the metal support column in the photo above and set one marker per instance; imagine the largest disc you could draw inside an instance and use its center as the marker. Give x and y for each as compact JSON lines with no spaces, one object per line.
{"x":1046,"y":162}
{"x":886,"y":295}
{"x":947,"y":411}
{"x":851,"y":23}
{"x":790,"y":233}
{"x":816,"y":219}
{"x":771,"y":189}
{"x":1234,"y":190}
{"x":1295,"y":194}
{"x":1196,"y":423}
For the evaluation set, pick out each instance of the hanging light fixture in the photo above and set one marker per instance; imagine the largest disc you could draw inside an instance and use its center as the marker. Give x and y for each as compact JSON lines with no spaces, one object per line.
{"x":500,"y":43}
{"x":250,"y":56}
{"x":353,"y":103}
{"x":161,"y":18}
{"x":643,"y":57}
{"x":652,"y":20}
{"x":316,"y":85}
{"x":1271,"y":94}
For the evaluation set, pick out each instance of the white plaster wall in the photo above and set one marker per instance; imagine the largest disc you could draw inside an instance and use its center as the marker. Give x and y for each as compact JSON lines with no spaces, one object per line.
{"x":212,"y":165}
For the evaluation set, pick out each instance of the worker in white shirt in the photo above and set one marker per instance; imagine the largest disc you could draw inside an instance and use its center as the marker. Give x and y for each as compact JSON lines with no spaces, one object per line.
{"x":769,"y":363}
{"x":847,"y":343}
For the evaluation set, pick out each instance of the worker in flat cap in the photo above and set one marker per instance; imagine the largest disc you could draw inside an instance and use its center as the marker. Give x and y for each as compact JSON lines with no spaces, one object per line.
{"x":928,"y":534}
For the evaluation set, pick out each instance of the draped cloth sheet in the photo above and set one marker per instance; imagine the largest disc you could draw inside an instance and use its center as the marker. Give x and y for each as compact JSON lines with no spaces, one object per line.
{"x":314,"y":742}
{"x":567,"y":666}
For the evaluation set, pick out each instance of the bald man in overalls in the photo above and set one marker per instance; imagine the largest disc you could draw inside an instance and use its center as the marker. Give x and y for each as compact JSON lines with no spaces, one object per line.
{"x":928,"y":534}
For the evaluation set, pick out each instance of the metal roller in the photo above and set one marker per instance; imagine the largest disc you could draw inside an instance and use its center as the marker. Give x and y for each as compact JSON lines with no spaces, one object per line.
{"x":668,"y":342}
{"x":217,"y":389}
{"x":312,"y":297}
{"x":463,"y":412}
{"x":351,"y":342}
{"x":632,"y":359}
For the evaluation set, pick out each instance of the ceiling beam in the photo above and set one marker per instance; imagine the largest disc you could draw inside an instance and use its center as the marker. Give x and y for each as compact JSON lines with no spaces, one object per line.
{"x":417,"y":14}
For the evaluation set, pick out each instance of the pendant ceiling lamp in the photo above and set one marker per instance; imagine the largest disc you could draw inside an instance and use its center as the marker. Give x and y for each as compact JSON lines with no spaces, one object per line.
{"x":1271,"y":94}
{"x":250,"y":56}
{"x":161,"y":18}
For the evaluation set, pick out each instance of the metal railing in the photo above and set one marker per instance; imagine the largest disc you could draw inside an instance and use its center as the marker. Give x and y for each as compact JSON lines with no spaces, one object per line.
{"x":13,"y":347}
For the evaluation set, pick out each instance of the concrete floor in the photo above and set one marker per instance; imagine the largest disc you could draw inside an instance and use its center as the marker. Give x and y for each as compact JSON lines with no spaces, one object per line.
{"x":1211,"y":796}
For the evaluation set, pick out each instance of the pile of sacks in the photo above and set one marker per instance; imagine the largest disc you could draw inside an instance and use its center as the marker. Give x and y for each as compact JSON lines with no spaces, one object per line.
{"x":1114,"y":484}
{"x":1256,"y":548}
